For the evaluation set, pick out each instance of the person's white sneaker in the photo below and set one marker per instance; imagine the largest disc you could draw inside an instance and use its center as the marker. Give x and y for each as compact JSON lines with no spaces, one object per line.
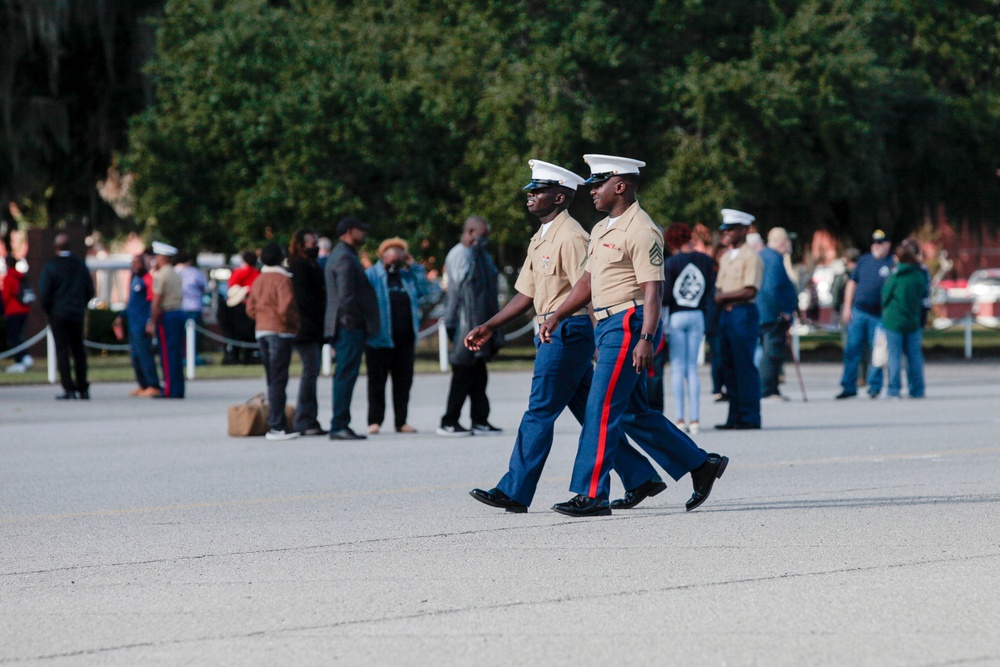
{"x":775,"y":398}
{"x":681,"y":425}
{"x":693,"y":428}
{"x":456,"y":431}
{"x":28,"y":361}
{"x":16,"y":368}
{"x":281,"y":435}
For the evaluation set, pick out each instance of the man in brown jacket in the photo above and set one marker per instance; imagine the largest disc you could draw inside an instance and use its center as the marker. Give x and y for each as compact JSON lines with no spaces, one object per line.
{"x":271,"y":303}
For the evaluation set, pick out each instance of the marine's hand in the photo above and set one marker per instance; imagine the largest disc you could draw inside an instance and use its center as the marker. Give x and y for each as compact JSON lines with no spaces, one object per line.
{"x":642,"y":356}
{"x":545,"y":331}
{"x":475,"y":338}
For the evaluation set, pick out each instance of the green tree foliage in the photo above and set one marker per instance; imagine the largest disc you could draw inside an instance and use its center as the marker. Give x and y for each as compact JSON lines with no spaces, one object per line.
{"x":412,"y":114}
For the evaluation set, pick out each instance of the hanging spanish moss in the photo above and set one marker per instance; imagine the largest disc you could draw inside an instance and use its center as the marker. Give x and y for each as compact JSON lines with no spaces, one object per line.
{"x":70,"y":76}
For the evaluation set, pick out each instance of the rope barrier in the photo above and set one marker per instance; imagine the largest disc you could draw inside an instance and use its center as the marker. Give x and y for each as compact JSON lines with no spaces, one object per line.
{"x":25,"y":345}
{"x":226,"y":341}
{"x":939,"y":324}
{"x":530,"y":326}
{"x":104,"y":346}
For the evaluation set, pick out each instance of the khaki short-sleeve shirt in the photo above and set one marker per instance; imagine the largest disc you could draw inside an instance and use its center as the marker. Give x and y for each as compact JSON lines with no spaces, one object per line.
{"x":554,"y":263}
{"x":740,"y":268}
{"x":167,"y":283}
{"x":621,"y":258}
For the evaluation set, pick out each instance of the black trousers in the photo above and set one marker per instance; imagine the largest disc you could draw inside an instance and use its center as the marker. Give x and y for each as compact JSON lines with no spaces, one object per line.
{"x":68,"y":336}
{"x":468,"y":381}
{"x":381,"y":363}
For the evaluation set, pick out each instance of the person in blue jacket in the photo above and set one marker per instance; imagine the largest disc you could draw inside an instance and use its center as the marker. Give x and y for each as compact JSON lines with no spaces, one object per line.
{"x":401,"y":286}
{"x":138,"y":312}
{"x":777,"y":302}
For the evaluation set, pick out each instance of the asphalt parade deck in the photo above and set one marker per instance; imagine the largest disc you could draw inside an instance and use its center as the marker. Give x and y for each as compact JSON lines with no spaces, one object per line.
{"x":859,"y":532}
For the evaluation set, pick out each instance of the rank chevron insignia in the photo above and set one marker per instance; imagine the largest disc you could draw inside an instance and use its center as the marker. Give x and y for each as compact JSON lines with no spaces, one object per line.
{"x":655,"y":255}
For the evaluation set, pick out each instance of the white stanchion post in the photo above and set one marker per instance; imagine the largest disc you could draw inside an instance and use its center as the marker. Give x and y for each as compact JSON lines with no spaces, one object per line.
{"x":968,"y":336}
{"x":325,"y":356}
{"x":442,"y":346}
{"x":192,"y":351}
{"x":796,"y":345}
{"x":50,"y":353}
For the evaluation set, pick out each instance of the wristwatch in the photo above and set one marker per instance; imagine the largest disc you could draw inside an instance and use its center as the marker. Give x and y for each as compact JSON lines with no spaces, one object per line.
{"x":647,"y":337}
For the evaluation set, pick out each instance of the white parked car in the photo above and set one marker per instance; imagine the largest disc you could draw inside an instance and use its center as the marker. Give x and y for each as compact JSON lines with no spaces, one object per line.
{"x":984,"y":285}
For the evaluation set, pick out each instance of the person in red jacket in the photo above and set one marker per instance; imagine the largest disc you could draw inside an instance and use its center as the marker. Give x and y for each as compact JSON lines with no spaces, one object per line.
{"x":16,"y":314}
{"x":233,"y":313}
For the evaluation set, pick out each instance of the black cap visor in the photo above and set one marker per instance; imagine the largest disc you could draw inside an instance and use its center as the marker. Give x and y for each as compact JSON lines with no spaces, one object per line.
{"x":540,"y":184}
{"x":596,"y":179}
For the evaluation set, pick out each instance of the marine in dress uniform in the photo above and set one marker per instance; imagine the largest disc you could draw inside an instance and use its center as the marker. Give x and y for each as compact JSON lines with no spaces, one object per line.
{"x":168,"y":320}
{"x":741,"y":271}
{"x":563,"y":368}
{"x":624,"y":277}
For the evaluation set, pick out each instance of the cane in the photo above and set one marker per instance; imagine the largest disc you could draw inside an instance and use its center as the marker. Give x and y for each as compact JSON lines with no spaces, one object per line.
{"x":795,"y":360}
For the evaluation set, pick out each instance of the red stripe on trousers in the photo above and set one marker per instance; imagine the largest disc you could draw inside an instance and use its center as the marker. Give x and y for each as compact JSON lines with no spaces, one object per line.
{"x":602,"y":439}
{"x":166,"y":358}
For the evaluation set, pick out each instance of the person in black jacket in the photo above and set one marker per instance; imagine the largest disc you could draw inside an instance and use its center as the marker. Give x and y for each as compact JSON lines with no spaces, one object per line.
{"x":472,"y":298}
{"x":64,"y":290}
{"x":351,"y":316}
{"x":310,"y":298}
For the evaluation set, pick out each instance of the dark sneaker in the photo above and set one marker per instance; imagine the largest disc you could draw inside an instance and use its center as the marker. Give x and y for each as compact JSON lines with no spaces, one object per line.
{"x":486,"y":429}
{"x":454,"y":431}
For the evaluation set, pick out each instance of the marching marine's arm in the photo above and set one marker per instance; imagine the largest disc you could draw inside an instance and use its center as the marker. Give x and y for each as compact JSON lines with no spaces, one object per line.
{"x":578,"y":297}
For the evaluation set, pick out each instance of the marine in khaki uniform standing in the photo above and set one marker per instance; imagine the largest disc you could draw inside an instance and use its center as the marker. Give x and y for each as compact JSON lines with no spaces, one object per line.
{"x":624,"y":275}
{"x":167,"y":322}
{"x":741,"y":271}
{"x":563,"y":369}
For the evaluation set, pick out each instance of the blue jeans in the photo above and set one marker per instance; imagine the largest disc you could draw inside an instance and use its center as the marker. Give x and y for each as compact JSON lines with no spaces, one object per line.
{"x":687,"y":328}
{"x":739,"y":329}
{"x":306,"y":407}
{"x":910,"y":344}
{"x":774,"y":348}
{"x":349,"y":346}
{"x":276,"y":355}
{"x":140,"y":348}
{"x":617,"y":402}
{"x":860,"y":339}
{"x":715,"y":352}
{"x":562,"y":378}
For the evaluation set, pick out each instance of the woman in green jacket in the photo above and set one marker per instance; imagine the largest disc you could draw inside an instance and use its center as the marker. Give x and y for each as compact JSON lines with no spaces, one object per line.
{"x":903,"y":296}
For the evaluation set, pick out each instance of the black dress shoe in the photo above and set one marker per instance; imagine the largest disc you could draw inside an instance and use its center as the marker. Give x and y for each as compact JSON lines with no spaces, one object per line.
{"x":704,"y":477}
{"x":66,"y":396}
{"x":497,"y":498}
{"x":84,"y":394}
{"x":638,"y":494}
{"x":842,"y":395}
{"x":315,"y":430}
{"x":581,"y":505}
{"x":346,"y":434}
{"x":738,"y":426}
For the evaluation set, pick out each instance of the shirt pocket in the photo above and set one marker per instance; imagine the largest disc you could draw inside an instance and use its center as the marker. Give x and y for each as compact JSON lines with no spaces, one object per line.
{"x":612,"y":255}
